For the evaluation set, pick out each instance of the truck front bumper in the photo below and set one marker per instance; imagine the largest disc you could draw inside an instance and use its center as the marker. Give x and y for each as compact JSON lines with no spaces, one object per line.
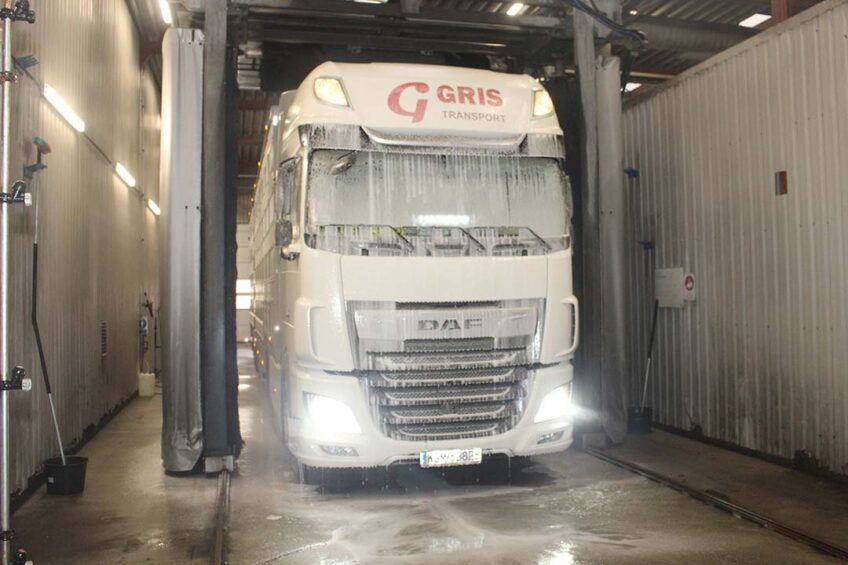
{"x":372,"y":448}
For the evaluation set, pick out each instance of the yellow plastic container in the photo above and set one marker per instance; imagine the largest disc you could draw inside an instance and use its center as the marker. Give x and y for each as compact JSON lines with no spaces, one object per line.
{"x":146,"y":384}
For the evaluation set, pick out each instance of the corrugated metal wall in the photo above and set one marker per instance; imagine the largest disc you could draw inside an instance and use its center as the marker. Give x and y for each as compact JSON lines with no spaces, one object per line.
{"x":761,"y":358}
{"x":97,"y":238}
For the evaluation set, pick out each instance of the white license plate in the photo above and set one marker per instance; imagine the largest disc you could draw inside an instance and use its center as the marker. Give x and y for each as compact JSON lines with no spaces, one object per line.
{"x":451,"y":457}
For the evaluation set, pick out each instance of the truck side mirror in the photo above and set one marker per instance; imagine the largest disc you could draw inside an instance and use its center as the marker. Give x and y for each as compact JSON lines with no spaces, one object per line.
{"x":284,"y":233}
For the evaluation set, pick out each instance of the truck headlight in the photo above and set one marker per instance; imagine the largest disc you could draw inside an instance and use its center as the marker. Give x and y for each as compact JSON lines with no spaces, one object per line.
{"x":557,"y":404}
{"x":331,"y":91}
{"x":543,"y":105}
{"x":330,"y":416}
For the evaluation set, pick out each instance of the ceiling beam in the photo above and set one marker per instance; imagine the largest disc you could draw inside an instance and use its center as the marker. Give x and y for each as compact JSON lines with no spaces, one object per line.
{"x":407,"y":6}
{"x":392,"y":42}
{"x":765,"y":6}
{"x":341,"y":9}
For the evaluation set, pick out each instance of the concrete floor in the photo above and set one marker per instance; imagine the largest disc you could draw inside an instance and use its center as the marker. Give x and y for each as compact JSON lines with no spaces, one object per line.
{"x":812,"y":505}
{"x":131,"y":511}
{"x":563,"y":509}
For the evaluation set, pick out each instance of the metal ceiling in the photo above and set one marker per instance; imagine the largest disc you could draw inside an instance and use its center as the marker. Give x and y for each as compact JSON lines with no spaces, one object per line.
{"x":681,"y":33}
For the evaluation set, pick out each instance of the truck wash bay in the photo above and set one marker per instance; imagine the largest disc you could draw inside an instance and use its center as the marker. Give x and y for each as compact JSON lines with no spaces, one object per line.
{"x":354,"y":282}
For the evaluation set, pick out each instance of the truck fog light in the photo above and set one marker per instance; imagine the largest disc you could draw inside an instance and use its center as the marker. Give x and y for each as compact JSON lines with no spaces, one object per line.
{"x":557,"y":404}
{"x":339,"y":450}
{"x":329,"y":415}
{"x":550,"y":438}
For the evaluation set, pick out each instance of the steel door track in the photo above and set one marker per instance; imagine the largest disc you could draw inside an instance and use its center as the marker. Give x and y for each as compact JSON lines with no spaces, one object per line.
{"x":718,"y":502}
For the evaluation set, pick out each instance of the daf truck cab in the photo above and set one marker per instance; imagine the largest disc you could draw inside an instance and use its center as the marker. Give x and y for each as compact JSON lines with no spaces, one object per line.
{"x":413,"y":267}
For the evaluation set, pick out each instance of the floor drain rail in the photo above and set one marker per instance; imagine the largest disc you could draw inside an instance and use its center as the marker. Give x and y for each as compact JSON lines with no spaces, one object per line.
{"x":718,"y":502}
{"x":218,"y":555}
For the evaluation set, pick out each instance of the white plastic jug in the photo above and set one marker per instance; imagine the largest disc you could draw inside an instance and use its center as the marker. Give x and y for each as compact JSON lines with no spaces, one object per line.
{"x":146,"y":384}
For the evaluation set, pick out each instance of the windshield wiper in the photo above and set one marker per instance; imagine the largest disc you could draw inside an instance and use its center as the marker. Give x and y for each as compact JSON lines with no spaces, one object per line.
{"x":444,"y":240}
{"x":343,"y":163}
{"x":510,"y":241}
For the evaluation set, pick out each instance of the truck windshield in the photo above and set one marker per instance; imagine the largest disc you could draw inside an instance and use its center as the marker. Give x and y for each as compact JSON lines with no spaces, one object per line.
{"x":412,"y":204}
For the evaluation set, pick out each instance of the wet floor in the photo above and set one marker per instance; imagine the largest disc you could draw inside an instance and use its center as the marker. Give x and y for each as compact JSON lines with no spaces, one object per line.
{"x":561,"y":509}
{"x":131,"y":511}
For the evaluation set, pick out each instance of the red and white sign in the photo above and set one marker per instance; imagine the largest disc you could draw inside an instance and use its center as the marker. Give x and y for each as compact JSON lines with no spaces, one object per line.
{"x":401,"y":101}
{"x":464,"y":97}
{"x":689,"y":287}
{"x":674,"y":287}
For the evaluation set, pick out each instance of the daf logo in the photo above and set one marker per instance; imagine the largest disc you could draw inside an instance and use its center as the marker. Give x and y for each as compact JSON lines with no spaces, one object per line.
{"x":449,"y":324}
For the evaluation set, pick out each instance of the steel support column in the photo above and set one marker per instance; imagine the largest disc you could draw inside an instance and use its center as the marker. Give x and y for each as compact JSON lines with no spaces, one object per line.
{"x":213,"y":271}
{"x":780,"y":10}
{"x":5,"y":366}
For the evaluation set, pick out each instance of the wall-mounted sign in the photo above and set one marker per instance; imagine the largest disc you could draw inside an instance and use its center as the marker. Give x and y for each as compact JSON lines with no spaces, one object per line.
{"x":674,"y":287}
{"x":689,"y":287}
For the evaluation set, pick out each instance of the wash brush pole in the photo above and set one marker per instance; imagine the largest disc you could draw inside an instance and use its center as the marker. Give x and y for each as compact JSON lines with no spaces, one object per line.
{"x":640,"y":417}
{"x":650,"y":356}
{"x":43,"y":148}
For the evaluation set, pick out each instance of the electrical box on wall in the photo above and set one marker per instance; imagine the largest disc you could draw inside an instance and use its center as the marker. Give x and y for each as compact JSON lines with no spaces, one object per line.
{"x":674,"y":287}
{"x":781,"y":183}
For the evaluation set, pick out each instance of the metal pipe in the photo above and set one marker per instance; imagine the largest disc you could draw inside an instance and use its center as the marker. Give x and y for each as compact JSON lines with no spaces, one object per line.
{"x":5,"y":481}
{"x":681,"y":35}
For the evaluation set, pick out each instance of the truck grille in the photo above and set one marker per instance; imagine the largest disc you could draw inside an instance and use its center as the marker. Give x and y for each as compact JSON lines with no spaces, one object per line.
{"x":443,"y":405}
{"x":433,"y":432}
{"x":468,"y":380}
{"x":459,"y":360}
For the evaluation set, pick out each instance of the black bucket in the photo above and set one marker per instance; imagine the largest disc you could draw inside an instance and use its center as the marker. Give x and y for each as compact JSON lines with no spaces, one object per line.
{"x":65,"y":479}
{"x":639,"y":421}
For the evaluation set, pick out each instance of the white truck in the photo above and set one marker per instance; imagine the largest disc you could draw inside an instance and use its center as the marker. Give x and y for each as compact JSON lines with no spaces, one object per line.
{"x":413,"y":294}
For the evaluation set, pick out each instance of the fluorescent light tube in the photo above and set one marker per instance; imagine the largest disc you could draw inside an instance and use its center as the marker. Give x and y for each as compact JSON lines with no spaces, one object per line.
{"x":166,"y":12}
{"x":515,"y":9}
{"x":125,"y":175}
{"x":62,"y":107}
{"x":754,"y":20}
